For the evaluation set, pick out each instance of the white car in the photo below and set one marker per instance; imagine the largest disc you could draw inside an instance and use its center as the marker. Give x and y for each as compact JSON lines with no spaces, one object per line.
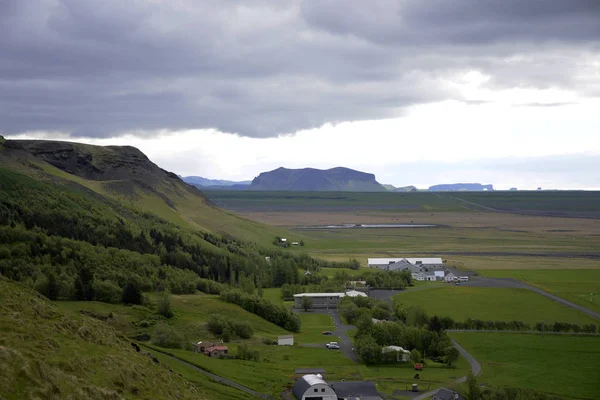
{"x":332,"y":345}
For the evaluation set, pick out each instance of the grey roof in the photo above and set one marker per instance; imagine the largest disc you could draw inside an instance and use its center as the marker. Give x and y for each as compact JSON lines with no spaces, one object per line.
{"x":365,"y":389}
{"x":445,"y":394}
{"x":304,"y":383}
{"x":402,"y":265}
{"x":309,"y":371}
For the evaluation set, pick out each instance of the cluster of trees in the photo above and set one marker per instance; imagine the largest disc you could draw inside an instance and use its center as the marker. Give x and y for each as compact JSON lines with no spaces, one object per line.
{"x":275,"y":313}
{"x":245,"y":353}
{"x":423,"y":336}
{"x":228,"y":329}
{"x":416,"y":316}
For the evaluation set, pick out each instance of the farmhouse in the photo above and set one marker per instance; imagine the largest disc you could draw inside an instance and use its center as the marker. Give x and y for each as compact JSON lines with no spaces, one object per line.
{"x":311,"y":387}
{"x":383,"y":263}
{"x":285,"y":340}
{"x":325,"y":300}
{"x":401,"y":354}
{"x":201,"y":347}
{"x":216,"y":351}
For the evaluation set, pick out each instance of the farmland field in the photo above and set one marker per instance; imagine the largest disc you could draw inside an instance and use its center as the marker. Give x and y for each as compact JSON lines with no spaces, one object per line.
{"x":579,"y":286}
{"x":564,"y":365}
{"x":496,"y":304}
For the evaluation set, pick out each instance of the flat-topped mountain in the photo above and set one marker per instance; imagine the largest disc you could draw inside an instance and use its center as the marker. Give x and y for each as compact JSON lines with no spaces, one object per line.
{"x":311,"y":179}
{"x":469,"y":187}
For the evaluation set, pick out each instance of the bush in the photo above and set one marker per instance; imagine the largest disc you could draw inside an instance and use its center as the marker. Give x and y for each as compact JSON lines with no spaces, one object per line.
{"x":227,"y":329}
{"x":164,"y":306}
{"x":166,"y":336}
{"x":132,"y":294}
{"x":106,"y":292}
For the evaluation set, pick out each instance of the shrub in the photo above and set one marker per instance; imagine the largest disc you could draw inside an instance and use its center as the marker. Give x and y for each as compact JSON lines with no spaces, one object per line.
{"x":167,"y":336}
{"x":132,"y":294}
{"x":164,"y":306}
{"x":107,"y":292}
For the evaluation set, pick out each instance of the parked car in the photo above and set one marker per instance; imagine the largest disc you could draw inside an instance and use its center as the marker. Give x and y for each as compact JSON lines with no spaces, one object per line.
{"x":326,"y":333}
{"x":457,"y":283}
{"x":332,"y":345}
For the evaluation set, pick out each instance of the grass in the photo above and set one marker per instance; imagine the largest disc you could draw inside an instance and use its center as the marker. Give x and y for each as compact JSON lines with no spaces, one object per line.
{"x":564,"y":365}
{"x":48,"y":352}
{"x":275,"y":372}
{"x":496,"y":304}
{"x":579,"y":286}
{"x":191,"y":313}
{"x":313,"y":324}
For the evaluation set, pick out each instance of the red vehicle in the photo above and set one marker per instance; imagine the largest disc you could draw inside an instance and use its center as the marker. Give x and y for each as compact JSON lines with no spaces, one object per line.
{"x":419,"y":367}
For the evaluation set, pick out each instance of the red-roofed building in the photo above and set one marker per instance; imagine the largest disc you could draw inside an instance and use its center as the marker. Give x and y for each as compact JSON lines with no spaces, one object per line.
{"x":216,"y":351}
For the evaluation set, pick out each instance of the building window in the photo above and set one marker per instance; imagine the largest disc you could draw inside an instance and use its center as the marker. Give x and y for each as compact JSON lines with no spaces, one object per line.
{"x":316,"y":390}
{"x":323,"y":389}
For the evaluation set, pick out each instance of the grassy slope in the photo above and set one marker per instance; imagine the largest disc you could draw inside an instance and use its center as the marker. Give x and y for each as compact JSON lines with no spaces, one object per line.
{"x":191,"y":313}
{"x":496,"y":304}
{"x":188,"y":207}
{"x":38,"y":341}
{"x":579,"y":286}
{"x":565,"y":365}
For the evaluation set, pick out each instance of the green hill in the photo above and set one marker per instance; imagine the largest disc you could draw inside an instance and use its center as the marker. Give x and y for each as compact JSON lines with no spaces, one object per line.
{"x":125,"y":174}
{"x":49,"y":353}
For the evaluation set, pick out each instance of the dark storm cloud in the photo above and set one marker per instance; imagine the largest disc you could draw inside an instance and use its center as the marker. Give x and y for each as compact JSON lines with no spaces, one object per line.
{"x":263,"y":68}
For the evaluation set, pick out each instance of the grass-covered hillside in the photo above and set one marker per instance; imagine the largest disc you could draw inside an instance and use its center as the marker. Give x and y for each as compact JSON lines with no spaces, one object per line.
{"x":124,"y":173}
{"x":49,"y":353}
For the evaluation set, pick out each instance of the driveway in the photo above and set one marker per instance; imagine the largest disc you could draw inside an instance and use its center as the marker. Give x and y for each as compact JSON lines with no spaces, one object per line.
{"x":341,"y":331}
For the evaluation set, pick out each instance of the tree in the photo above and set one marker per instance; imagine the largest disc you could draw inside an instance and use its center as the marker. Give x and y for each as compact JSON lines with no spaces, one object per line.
{"x":132,"y":294}
{"x":52,"y":290}
{"x":164,"y":305}
{"x":368,"y":350}
{"x":435,"y":324}
{"x":473,"y":390}
{"x":306,"y":303}
{"x":415,"y":356}
{"x":451,"y":354}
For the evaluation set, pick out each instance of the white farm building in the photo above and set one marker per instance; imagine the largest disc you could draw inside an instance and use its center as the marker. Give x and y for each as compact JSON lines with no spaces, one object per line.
{"x":383,"y":263}
{"x":313,"y":387}
{"x":325,"y":300}
{"x":285,"y":340}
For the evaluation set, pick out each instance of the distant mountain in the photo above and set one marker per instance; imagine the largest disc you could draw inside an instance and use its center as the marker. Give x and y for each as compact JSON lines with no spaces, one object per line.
{"x":454,"y":187}
{"x":311,"y":179}
{"x":200,"y":181}
{"x":392,"y":188}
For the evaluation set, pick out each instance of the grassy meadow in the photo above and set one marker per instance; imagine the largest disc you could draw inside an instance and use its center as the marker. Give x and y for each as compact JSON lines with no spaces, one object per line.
{"x":313,"y":324}
{"x":579,"y":286}
{"x":560,"y":364}
{"x":496,"y":304}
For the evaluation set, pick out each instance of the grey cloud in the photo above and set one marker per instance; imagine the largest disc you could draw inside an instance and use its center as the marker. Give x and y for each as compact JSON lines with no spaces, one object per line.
{"x":100,"y":68}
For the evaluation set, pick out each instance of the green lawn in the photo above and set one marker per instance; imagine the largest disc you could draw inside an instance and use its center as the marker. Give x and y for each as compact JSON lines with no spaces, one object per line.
{"x":564,"y":365}
{"x":313,"y":325}
{"x":275,"y":371}
{"x":462,"y":302}
{"x":579,"y":286}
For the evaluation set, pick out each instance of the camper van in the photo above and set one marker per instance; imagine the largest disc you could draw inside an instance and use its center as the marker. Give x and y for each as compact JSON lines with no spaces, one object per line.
{"x":463,"y":279}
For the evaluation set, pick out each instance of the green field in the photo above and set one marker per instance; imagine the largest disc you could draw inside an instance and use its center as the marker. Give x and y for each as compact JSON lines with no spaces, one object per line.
{"x":564,"y":365}
{"x":287,"y":201}
{"x":495,"y":304}
{"x":579,"y":286}
{"x":313,"y":324}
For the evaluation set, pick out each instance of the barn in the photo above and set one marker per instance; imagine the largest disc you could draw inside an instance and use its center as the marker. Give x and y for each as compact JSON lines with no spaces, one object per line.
{"x":285,"y":340}
{"x":313,"y":387}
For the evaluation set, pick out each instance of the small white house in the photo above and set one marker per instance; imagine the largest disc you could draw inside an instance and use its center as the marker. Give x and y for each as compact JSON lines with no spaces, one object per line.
{"x":294,"y":243}
{"x":284,"y":240}
{"x":450,"y":277}
{"x":401,"y":354}
{"x":355,"y":293}
{"x":285,"y":340}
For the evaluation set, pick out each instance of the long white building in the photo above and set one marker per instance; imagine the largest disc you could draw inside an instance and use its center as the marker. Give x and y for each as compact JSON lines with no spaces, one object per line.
{"x":383,"y":263}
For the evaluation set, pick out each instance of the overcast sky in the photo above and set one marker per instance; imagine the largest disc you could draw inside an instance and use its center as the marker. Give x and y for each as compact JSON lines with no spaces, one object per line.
{"x":416,"y":91}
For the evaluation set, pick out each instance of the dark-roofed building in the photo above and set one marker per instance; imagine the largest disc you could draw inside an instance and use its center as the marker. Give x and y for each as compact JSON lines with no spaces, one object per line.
{"x":446,"y":394}
{"x":313,"y":387}
{"x":365,"y":390}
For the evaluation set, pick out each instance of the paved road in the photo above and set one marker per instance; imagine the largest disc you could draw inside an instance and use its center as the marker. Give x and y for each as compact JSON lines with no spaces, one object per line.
{"x":216,"y":377}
